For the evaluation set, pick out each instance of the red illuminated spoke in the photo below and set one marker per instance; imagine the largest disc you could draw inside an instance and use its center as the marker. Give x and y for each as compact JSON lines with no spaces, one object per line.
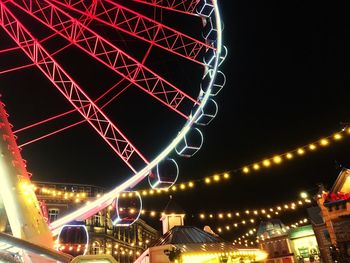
{"x":16,"y":68}
{"x":7,"y":50}
{"x":182,"y":6}
{"x":108,"y":54}
{"x":67,"y":113}
{"x":70,"y":90}
{"x":121,"y":18}
{"x":86,"y":21}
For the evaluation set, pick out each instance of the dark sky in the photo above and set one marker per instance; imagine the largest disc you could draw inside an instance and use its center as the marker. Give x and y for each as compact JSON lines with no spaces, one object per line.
{"x":287,"y":75}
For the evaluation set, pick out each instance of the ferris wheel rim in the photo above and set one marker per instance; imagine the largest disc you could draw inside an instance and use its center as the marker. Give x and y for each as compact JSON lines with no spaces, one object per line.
{"x":105,"y":200}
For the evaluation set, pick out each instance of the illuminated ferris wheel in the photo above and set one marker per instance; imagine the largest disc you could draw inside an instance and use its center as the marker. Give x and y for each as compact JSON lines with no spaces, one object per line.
{"x":89,"y":27}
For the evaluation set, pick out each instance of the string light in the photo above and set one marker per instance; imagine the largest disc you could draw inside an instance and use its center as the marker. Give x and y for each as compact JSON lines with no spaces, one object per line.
{"x":258,"y":165}
{"x":251,"y":215}
{"x":253,"y":232}
{"x":67,"y":195}
{"x":261,"y":212}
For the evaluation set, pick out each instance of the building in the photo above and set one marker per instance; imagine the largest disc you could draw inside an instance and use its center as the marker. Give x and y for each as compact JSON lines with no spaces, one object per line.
{"x":287,"y":245}
{"x":125,"y":243}
{"x":273,"y":238}
{"x":321,"y":233}
{"x":335,"y":209}
{"x":304,"y":244}
{"x":188,"y":244}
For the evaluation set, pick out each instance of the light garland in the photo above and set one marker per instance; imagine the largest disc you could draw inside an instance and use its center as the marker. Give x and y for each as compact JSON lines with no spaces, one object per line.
{"x":252,"y":232}
{"x":262,"y":212}
{"x":297,"y":152}
{"x":254,"y":166}
{"x":216,"y":178}
{"x":77,"y":197}
{"x":244,"y":214}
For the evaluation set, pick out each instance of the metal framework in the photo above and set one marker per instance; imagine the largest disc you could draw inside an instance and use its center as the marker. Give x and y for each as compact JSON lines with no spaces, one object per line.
{"x":137,"y":25}
{"x":70,"y":90}
{"x":183,"y":6}
{"x":107,"y":53}
{"x":77,"y":31}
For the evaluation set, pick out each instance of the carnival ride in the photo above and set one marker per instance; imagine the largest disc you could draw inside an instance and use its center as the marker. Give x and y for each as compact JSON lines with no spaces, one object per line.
{"x":75,"y":21}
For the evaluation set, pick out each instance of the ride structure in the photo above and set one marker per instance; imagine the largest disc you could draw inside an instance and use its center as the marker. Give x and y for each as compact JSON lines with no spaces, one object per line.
{"x":72,"y":21}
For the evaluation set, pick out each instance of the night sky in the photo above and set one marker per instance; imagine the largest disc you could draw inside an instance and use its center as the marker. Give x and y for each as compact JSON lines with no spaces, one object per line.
{"x":287,"y":75}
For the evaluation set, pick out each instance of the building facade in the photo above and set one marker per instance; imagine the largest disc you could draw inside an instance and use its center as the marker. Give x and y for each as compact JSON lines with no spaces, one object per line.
{"x":273,"y":238}
{"x":288,"y":245}
{"x":335,"y":209}
{"x":124,"y":243}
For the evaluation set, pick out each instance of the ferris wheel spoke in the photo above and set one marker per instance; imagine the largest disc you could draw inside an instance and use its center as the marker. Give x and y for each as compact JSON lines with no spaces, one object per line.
{"x":71,"y":91}
{"x":5,"y":71}
{"x":62,"y":115}
{"x":183,"y":6}
{"x":7,"y":50}
{"x":109,"y":55}
{"x":126,"y":20}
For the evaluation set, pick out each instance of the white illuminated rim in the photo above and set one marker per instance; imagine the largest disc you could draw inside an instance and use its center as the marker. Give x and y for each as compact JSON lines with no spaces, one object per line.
{"x":93,"y":207}
{"x":81,"y":226}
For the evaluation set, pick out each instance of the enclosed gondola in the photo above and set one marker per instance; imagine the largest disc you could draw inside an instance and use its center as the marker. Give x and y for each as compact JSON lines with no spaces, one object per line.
{"x":73,"y":240}
{"x":128,"y":206}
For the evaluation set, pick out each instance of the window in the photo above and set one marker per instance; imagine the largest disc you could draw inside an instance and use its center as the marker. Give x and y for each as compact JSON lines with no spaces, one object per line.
{"x":97,"y":220}
{"x":53,"y":214}
{"x":96,"y":248}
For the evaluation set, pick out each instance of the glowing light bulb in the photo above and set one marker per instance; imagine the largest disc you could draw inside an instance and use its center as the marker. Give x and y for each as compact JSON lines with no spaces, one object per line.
{"x":190,"y":184}
{"x":289,"y":156}
{"x":300,"y":151}
{"x":245,"y":170}
{"x":226,"y":176}
{"x":324,"y":142}
{"x":207,"y":180}
{"x":312,"y":147}
{"x":266,"y":163}
{"x":216,"y":178}
{"x":303,"y":195}
{"x":183,"y":186}
{"x":277,"y":159}
{"x":256,"y":166}
{"x":337,"y":136}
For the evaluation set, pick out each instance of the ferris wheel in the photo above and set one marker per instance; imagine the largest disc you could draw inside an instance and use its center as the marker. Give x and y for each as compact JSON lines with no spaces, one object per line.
{"x":154,"y":28}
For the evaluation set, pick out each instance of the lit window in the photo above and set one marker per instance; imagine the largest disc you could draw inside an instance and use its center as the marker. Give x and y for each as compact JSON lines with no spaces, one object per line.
{"x":96,"y":248}
{"x":53,"y":214}
{"x":97,"y":220}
